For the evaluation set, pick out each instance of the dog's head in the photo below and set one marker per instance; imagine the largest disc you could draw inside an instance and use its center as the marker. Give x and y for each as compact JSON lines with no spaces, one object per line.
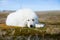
{"x":31,"y":22}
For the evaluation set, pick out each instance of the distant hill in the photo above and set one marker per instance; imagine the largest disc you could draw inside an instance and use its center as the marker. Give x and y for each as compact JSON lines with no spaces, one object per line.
{"x":56,"y":12}
{"x":38,"y":12}
{"x":7,"y":11}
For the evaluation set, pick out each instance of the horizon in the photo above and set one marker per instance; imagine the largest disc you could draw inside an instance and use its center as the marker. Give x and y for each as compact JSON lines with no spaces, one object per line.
{"x":36,"y":5}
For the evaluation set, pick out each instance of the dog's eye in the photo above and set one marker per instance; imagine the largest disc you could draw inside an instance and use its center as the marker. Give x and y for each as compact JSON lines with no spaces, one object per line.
{"x":27,"y":20}
{"x":32,"y":19}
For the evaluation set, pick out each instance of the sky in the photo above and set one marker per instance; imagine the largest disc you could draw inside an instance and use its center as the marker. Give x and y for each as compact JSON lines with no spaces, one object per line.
{"x":36,"y":5}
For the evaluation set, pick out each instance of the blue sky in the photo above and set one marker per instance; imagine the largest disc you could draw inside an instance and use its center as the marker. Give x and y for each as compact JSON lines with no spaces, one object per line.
{"x":36,"y":5}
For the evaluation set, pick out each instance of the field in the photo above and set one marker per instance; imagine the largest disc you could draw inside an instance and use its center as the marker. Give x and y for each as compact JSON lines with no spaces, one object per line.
{"x":51,"y":31}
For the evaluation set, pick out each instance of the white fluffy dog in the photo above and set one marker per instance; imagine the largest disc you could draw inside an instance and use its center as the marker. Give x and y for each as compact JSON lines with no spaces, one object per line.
{"x":22,"y":18}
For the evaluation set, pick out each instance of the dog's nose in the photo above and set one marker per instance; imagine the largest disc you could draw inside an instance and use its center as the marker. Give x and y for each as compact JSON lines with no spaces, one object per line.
{"x":31,"y":26}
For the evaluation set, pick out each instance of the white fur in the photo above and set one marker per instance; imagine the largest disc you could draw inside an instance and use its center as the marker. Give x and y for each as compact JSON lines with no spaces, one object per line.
{"x":39,"y":25}
{"x":21,"y":17}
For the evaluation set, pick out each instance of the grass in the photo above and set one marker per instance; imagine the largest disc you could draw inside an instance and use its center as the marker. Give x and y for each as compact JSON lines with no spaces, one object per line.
{"x":30,"y":31}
